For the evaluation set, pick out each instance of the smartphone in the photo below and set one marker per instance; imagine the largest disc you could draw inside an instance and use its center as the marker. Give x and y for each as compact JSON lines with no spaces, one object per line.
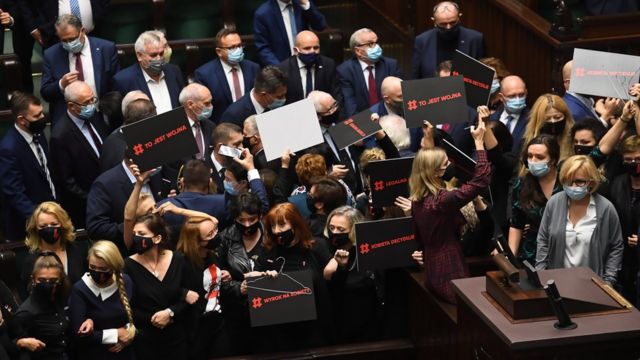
{"x":229,"y":151}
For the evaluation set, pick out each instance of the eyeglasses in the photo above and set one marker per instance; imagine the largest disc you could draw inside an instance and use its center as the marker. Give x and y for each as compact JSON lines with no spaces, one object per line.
{"x":93,"y":101}
{"x":232,"y":47}
{"x":580,"y":182}
{"x":369,"y":44}
{"x":331,"y":110}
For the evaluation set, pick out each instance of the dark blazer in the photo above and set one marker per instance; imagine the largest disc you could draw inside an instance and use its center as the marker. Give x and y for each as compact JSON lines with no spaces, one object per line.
{"x":325,"y":78}
{"x":270,"y":34}
{"x":354,"y":89}
{"x":239,"y":111}
{"x":578,"y":109}
{"x":42,"y":15}
{"x":131,"y":78}
{"x":213,"y":77}
{"x":113,"y":148}
{"x":56,"y":64}
{"x":213,"y":205}
{"x":74,"y":165}
{"x":106,"y":201}
{"x":24,"y":183}
{"x":425,"y":50}
{"x":518,"y":131}
{"x":215,"y":177}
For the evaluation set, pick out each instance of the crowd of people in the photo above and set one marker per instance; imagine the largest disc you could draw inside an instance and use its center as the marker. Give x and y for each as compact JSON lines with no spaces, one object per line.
{"x":174,"y":249}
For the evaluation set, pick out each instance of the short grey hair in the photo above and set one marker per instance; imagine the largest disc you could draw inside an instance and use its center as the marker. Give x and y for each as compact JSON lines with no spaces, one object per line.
{"x":396,"y":128}
{"x":72,"y":90}
{"x":147,"y":37}
{"x":191,"y":92}
{"x":319,"y":99}
{"x":353,"y":40}
{"x":252,"y":124}
{"x":65,"y":20}
{"x":130,"y":97}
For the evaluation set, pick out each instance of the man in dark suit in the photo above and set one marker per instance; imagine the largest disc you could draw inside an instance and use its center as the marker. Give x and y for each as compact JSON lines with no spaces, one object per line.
{"x":361,"y":76}
{"x":162,"y":82}
{"x":76,"y":143}
{"x":24,"y":165}
{"x":228,"y":134}
{"x":307,"y":70}
{"x":76,"y":57}
{"x":580,"y":106}
{"x":253,"y":141}
{"x":269,"y":92}
{"x":440,"y":43}
{"x":276,"y":24}
{"x":513,"y":113}
{"x":230,"y":76}
{"x":39,"y":16}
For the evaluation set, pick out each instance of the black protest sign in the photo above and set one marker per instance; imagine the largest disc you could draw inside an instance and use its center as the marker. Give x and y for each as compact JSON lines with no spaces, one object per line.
{"x":389,"y":179}
{"x":385,"y":244}
{"x":477,"y":78}
{"x":604,"y":74}
{"x":464,"y":164}
{"x":353,"y":129}
{"x":287,"y":298}
{"x":160,"y":139}
{"x":439,"y":100}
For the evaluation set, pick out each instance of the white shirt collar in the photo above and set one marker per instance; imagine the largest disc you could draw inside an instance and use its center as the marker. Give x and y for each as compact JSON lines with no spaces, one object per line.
{"x":215,"y":162}
{"x":300,"y":63}
{"x":148,"y":78}
{"x":103,"y":293}
{"x":128,"y":172}
{"x":283,"y":5}
{"x":364,"y":66}
{"x":227,"y":68}
{"x":256,"y":104}
{"x":25,"y":134}
{"x":76,"y":120}
{"x":86,"y":48}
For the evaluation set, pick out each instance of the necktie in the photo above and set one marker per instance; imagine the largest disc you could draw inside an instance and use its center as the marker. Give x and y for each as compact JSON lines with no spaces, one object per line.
{"x":373,"y":90}
{"x":199,"y":140}
{"x":509,"y":121}
{"x":309,"y":86}
{"x":41,"y":159}
{"x":236,"y":83}
{"x":79,"y":67}
{"x":75,"y":8}
{"x":94,"y":136}
{"x":292,"y":20}
{"x":221,"y":173}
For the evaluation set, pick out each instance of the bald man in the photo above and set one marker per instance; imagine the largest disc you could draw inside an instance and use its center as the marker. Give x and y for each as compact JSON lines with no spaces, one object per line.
{"x":440,"y":43}
{"x":513,"y":112}
{"x":580,"y":106}
{"x":307,"y":70}
{"x":391,"y":104}
{"x":75,"y":147}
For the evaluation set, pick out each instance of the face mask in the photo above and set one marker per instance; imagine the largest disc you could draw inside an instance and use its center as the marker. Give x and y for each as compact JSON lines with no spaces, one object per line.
{"x":375,"y":53}
{"x":74,"y":46}
{"x":330,"y":119}
{"x":235,"y":56}
{"x":449,"y":173}
{"x":276,"y":103}
{"x":87,"y":111}
{"x":50,"y":234}
{"x":495,"y":86}
{"x":515,"y":105}
{"x":228,"y":187}
{"x":141,"y":244}
{"x":45,"y":291}
{"x":205,"y":113}
{"x":632,"y":169}
{"x":553,"y":128}
{"x":576,"y":192}
{"x":339,"y":239}
{"x":311,"y":204}
{"x":449,"y":34}
{"x":308,"y":59}
{"x":155,"y":67}
{"x":248,"y":230}
{"x":583,"y":149}
{"x":167,"y":54}
{"x":398,"y":108}
{"x":246,"y":142}
{"x":37,"y":126}
{"x":538,"y":169}
{"x":284,"y":238}
{"x":100,"y":277}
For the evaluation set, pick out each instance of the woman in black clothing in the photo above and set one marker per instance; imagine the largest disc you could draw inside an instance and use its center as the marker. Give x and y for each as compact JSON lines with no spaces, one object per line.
{"x":239,"y":251}
{"x":161,"y":295}
{"x":41,"y":323}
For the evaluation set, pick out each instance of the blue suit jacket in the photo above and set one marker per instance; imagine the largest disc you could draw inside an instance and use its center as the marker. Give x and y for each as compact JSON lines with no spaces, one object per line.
{"x":578,"y":109}
{"x":131,"y":78}
{"x":270,"y":34}
{"x":354,"y":87}
{"x":24,"y":183}
{"x":213,"y":205}
{"x":518,"y":131}
{"x":56,"y":64}
{"x":213,"y":77}
{"x":237,"y":112}
{"x":425,"y":50}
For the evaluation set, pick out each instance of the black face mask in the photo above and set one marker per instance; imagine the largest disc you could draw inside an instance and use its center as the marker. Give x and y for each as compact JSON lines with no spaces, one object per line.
{"x":583,"y":149}
{"x":339,"y":239}
{"x":45,"y":291}
{"x":330,"y":119}
{"x":311,"y":204}
{"x":100,"y":277}
{"x":142,"y":244}
{"x":36,"y":127}
{"x":284,"y":238}
{"x":450,"y":34}
{"x":632,"y":169}
{"x":449,"y":173}
{"x":246,"y":142}
{"x":553,"y":128}
{"x":248,"y":230}
{"x":398,"y":108}
{"x":50,"y":234}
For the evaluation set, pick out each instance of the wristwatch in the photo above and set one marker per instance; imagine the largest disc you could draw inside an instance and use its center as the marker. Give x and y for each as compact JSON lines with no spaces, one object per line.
{"x":171,"y":313}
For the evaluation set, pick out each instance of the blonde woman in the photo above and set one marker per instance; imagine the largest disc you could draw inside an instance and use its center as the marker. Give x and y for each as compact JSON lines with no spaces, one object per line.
{"x":102,"y":295}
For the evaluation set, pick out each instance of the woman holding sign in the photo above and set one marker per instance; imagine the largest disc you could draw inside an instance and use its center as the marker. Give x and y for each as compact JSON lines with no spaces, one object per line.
{"x":436,"y":211}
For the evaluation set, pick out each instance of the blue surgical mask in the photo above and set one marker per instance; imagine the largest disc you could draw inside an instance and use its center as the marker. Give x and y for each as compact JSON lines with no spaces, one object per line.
{"x":538,"y":169}
{"x":515,"y":105}
{"x":375,"y":53}
{"x":576,"y":192}
{"x":276,"y":103}
{"x":155,"y":171}
{"x":228,"y":187}
{"x":74,"y":46}
{"x":87,"y":111}
{"x":205,"y":113}
{"x":495,"y":86}
{"x":236,"y":56}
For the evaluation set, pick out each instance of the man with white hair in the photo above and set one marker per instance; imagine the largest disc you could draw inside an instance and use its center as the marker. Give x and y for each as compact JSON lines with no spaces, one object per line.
{"x":197,"y":102}
{"x":162,"y":82}
{"x":361,"y":76}
{"x":396,"y":129}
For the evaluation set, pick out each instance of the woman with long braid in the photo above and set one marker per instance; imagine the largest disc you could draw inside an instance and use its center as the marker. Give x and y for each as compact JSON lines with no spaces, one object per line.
{"x":100,"y":313}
